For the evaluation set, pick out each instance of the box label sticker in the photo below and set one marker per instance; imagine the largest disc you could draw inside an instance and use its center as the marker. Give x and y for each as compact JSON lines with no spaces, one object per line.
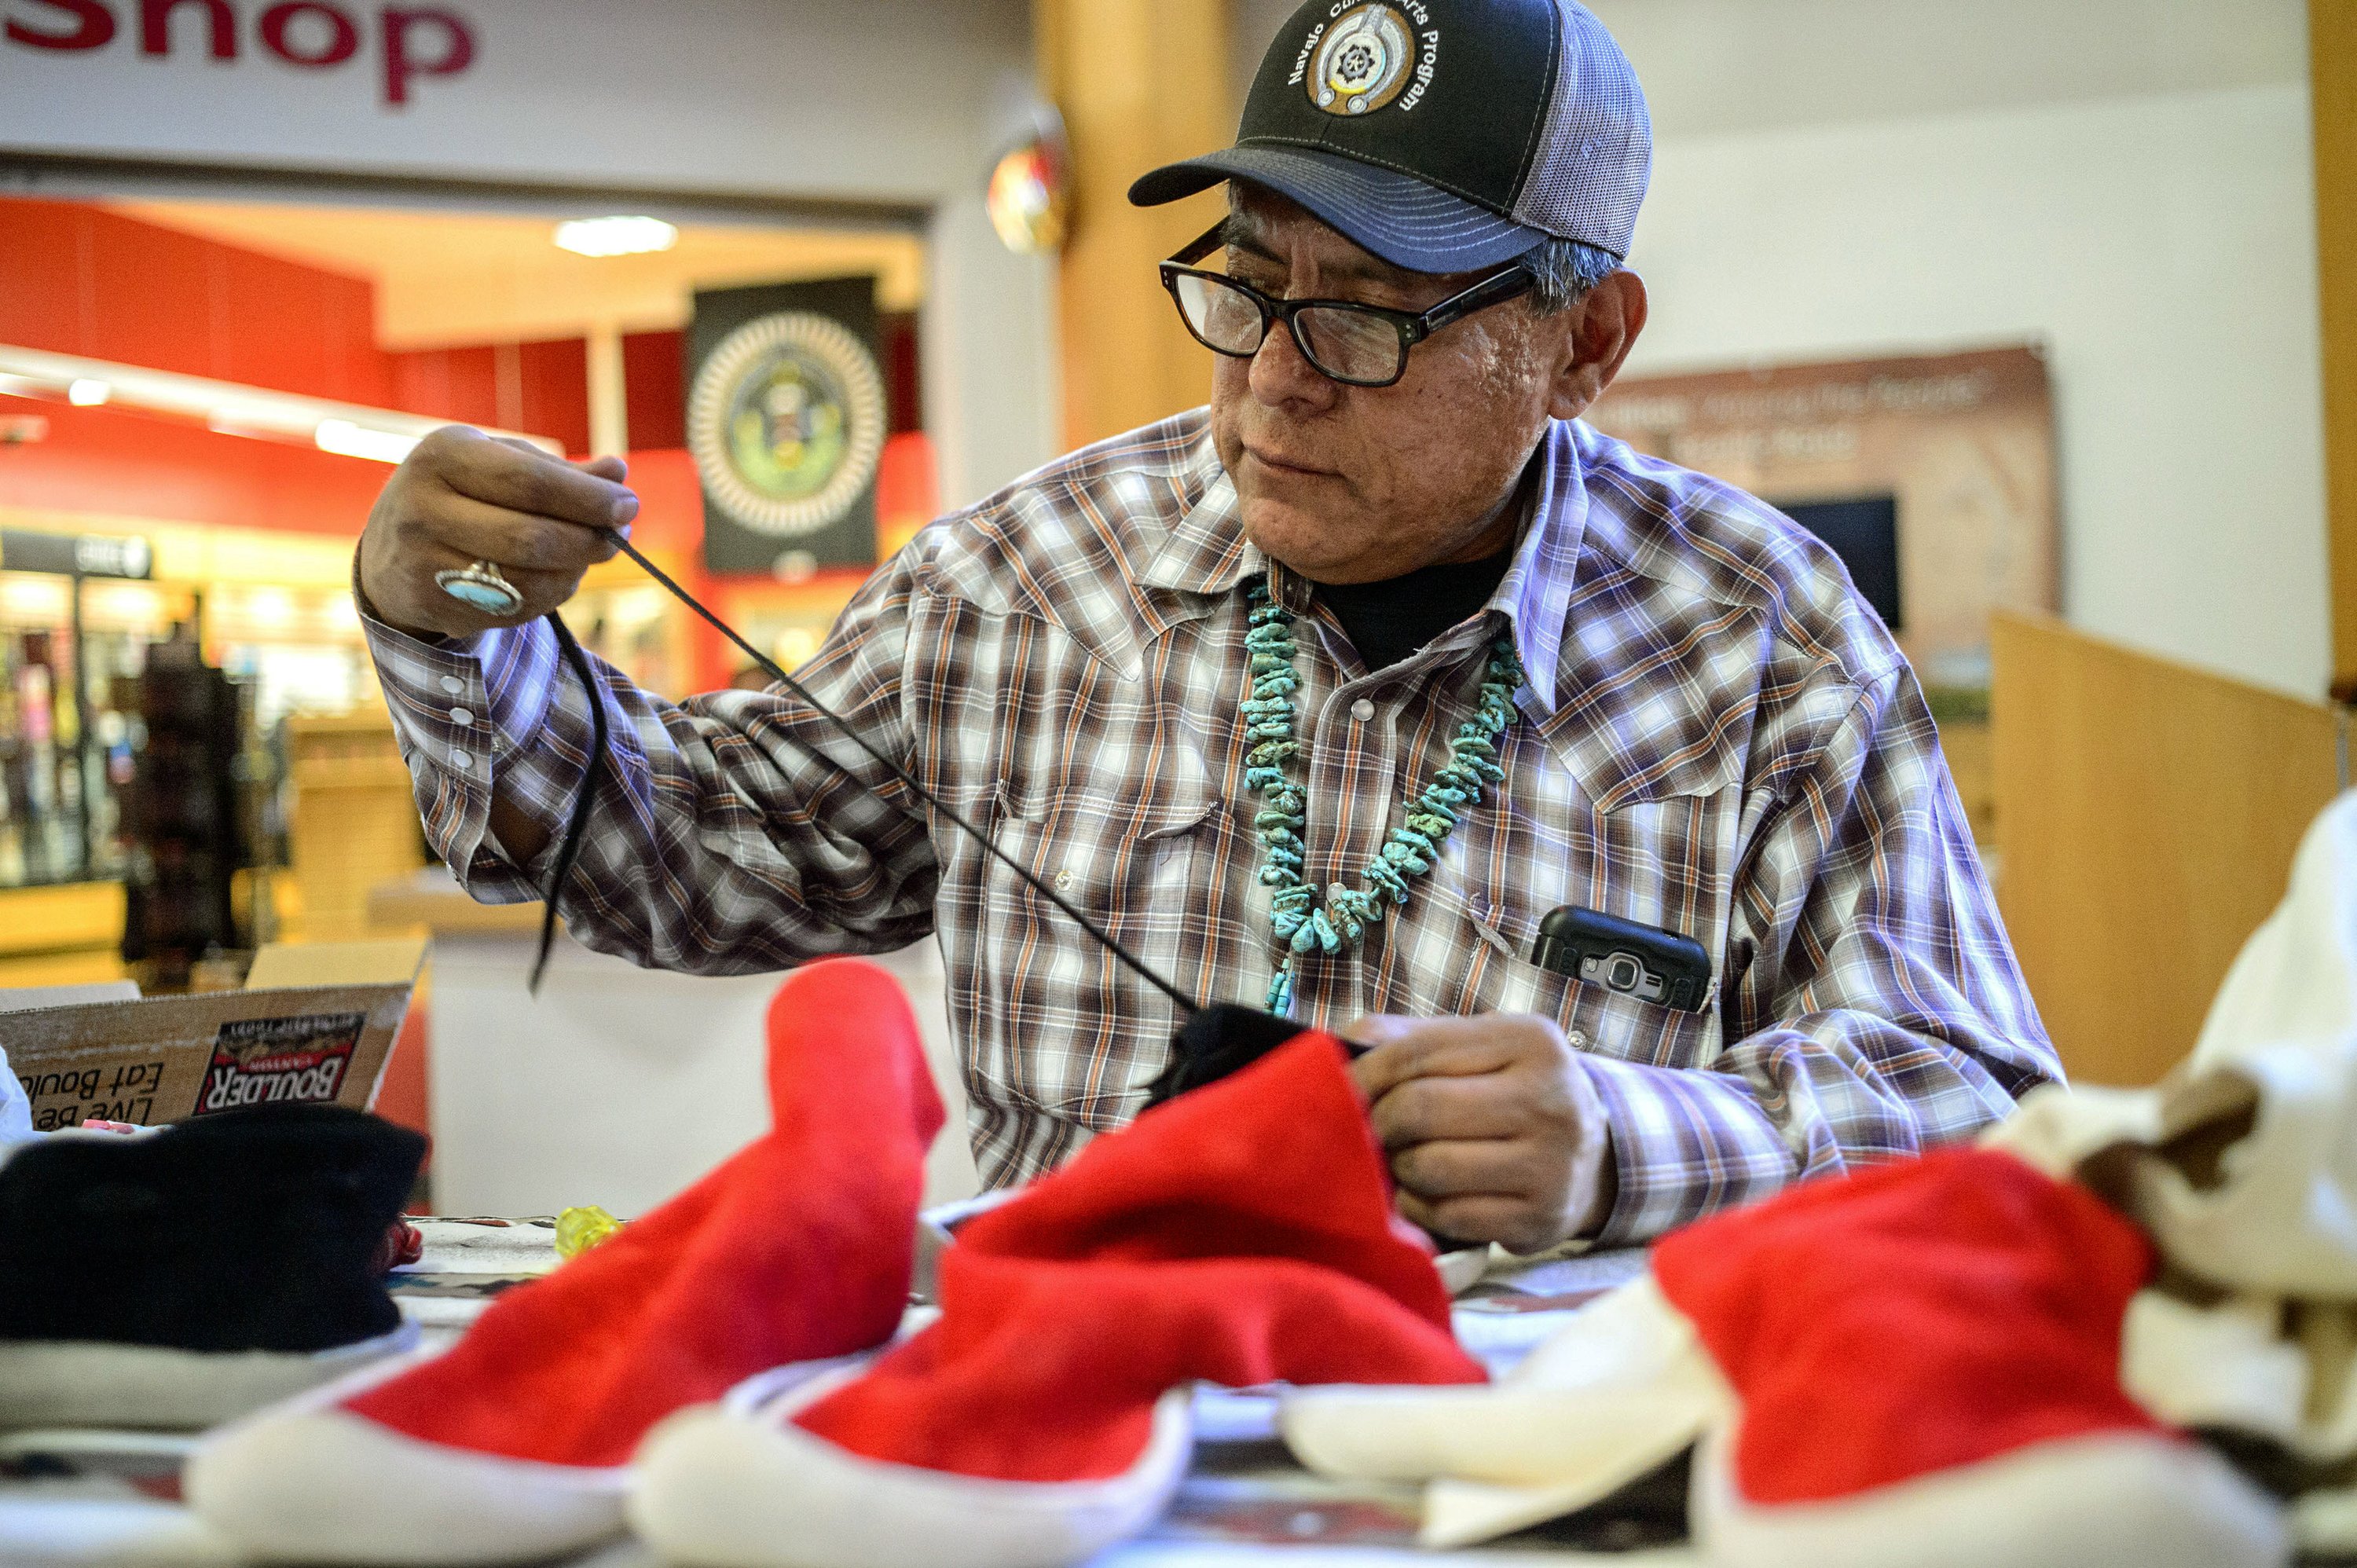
{"x":277,"y":1061}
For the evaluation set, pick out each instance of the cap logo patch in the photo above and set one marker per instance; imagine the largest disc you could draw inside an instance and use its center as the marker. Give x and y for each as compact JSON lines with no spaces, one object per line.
{"x":1363,"y":62}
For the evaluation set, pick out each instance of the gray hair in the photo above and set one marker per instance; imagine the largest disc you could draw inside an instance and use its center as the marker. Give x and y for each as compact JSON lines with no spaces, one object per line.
{"x":1564,"y":270}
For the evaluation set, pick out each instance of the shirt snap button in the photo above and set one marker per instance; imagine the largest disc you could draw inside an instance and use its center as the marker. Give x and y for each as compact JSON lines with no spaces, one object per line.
{"x":462,"y":760}
{"x":461,"y":716}
{"x":1063,"y":881}
{"x":452,"y":684}
{"x":1577,"y":1037}
{"x":1362,"y":710}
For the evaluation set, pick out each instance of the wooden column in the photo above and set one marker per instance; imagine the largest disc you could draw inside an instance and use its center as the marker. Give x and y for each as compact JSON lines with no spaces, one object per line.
{"x":1139,"y":82}
{"x":2332,"y":72}
{"x":610,"y":400}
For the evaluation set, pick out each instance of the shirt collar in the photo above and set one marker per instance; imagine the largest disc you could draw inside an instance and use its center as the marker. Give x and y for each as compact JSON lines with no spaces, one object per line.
{"x":1534,"y":596}
{"x":1207,"y":552}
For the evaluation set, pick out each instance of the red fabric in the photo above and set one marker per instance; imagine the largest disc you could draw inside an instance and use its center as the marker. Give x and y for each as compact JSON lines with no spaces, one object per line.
{"x":1913,"y":1318}
{"x":1240,"y":1234}
{"x":800,"y":1246}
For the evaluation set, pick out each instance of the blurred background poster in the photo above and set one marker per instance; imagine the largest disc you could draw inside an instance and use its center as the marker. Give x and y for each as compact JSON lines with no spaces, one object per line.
{"x":786,"y":420}
{"x":1933,"y":478}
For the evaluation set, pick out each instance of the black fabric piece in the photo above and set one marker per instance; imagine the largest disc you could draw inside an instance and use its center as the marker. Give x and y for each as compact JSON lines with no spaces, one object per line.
{"x":1217,"y":1040}
{"x":1645,"y":1515}
{"x":1387,"y":621}
{"x":252,"y":1229}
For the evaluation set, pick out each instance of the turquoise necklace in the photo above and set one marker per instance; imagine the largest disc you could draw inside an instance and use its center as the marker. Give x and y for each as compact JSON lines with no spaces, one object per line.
{"x":1302,"y":923}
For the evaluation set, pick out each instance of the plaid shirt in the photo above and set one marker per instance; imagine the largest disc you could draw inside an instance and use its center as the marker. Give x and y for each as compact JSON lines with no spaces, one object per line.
{"x":1717,"y":737}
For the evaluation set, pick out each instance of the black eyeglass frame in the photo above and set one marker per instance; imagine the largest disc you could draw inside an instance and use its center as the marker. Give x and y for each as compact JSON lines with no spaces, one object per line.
{"x":1412,"y":326}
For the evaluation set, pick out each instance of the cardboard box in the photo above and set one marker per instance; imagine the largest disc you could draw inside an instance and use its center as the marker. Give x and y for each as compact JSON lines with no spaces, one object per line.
{"x":314,"y":1024}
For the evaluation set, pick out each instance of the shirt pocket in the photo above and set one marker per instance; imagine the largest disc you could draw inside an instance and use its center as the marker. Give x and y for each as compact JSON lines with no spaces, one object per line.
{"x":1500,"y":978}
{"x":1656,"y":847}
{"x":1067,"y":1027}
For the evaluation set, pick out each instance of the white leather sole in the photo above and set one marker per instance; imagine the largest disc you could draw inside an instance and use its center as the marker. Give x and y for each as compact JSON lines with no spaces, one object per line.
{"x":739,"y":1485}
{"x":310,"y":1482}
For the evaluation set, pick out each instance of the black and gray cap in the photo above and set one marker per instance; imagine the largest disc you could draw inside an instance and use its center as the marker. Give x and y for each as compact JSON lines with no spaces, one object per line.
{"x":1443,"y":135}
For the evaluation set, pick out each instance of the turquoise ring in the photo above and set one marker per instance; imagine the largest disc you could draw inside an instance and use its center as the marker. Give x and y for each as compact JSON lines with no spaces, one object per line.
{"x":480,"y":586}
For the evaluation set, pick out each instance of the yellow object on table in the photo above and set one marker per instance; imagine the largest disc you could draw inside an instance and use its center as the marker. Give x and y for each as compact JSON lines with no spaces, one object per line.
{"x":578,"y":1229}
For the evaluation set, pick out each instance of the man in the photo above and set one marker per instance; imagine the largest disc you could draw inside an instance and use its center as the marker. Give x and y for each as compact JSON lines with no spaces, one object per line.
{"x":1384,"y":631}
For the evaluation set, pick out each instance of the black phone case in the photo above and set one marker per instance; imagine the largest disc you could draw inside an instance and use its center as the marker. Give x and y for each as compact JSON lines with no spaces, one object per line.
{"x":1569,"y":936}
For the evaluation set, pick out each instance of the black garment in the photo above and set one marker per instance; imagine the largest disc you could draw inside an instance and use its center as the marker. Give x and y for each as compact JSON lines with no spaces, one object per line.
{"x":1387,"y":621}
{"x":252,"y":1229}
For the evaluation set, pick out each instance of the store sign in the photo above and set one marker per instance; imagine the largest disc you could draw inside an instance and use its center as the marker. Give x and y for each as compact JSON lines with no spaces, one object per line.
{"x":405,"y":43}
{"x":75,"y":555}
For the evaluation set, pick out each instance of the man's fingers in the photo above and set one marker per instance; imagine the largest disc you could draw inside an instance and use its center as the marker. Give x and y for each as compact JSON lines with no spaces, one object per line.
{"x":1481,"y":1217}
{"x":507,"y":538}
{"x":523,"y":479}
{"x":1425,"y":1109}
{"x":1466,"y":1167}
{"x":1407,"y":1048}
{"x":606,"y":467}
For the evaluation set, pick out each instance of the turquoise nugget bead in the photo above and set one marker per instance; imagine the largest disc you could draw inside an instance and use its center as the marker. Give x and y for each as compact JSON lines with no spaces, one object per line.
{"x":1297,"y":919}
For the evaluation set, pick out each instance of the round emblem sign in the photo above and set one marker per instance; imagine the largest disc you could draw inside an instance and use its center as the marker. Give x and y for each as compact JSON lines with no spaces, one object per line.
{"x":1363,"y":62}
{"x":786,"y":421}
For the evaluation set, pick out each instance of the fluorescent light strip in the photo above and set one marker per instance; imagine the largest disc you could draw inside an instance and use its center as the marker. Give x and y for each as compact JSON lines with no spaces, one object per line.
{"x":615,"y":236}
{"x":346,"y":439}
{"x":378,"y":434}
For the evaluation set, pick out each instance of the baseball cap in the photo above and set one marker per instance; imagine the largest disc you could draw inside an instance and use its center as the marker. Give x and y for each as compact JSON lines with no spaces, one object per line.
{"x":1443,"y":135}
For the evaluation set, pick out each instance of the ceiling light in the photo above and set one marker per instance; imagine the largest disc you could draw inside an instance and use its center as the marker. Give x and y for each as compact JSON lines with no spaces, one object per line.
{"x":346,"y":439}
{"x":88,"y":392}
{"x":615,"y":236}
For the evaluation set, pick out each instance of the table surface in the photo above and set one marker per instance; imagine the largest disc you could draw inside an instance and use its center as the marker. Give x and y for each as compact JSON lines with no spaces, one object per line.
{"x":82,"y":1499}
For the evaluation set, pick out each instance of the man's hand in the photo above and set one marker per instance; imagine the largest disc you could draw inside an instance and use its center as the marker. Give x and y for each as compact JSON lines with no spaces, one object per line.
{"x":1495,"y":1132}
{"x":463,"y":496}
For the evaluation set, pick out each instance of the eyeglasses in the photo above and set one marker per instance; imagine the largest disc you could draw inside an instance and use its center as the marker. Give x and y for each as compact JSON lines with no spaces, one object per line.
{"x":1358,"y":345}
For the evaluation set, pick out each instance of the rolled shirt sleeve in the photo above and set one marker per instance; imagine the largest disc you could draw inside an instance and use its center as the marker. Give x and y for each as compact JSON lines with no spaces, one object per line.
{"x":1873,"y":1003}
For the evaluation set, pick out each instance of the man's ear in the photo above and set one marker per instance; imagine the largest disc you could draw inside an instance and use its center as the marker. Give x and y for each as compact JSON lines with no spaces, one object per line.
{"x":1603,"y":328}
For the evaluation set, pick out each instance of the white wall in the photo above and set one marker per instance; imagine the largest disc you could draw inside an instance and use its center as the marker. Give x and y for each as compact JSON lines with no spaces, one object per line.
{"x":2164,"y":250}
{"x":2127,"y":181}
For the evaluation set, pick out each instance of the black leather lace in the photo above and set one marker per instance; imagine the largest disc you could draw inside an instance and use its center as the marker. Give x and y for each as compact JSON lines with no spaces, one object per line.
{"x":568,"y":851}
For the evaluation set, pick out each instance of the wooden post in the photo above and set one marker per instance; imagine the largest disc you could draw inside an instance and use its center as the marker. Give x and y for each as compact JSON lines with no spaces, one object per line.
{"x":2332,"y":73}
{"x":609,"y":403}
{"x":1139,"y":83}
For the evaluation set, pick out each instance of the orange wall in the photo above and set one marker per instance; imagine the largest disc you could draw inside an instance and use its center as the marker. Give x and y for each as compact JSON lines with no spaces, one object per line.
{"x":78,"y":279}
{"x":75,"y":279}
{"x":101,"y":461}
